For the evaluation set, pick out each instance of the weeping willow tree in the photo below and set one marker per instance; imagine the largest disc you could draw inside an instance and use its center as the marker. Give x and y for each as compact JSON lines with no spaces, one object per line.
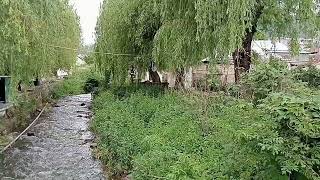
{"x":30,"y":30}
{"x":224,"y":28}
{"x":133,"y":30}
{"x":179,"y":33}
{"x":125,"y":34}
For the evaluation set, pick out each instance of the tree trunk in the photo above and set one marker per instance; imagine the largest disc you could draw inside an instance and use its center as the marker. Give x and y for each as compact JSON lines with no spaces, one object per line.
{"x":179,"y":84}
{"x":153,"y":74}
{"x":242,"y":56}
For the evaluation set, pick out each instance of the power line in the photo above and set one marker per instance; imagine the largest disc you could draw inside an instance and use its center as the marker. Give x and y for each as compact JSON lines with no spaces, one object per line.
{"x":94,"y":52}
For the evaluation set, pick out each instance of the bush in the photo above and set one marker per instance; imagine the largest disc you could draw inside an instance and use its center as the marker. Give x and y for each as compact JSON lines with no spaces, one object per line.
{"x":297,"y":121}
{"x":90,"y":85}
{"x":311,"y":76}
{"x":266,"y":78}
{"x":294,"y":111}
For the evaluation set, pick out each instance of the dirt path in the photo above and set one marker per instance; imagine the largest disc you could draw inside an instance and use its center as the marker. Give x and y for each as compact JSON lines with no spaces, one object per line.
{"x":58,"y":147}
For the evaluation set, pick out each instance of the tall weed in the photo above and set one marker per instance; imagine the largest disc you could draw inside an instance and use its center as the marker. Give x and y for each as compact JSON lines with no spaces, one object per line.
{"x":162,"y":136}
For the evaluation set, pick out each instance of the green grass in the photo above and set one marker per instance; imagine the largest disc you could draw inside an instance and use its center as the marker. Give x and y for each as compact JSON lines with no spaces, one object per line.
{"x":272,"y":132}
{"x":153,"y":134}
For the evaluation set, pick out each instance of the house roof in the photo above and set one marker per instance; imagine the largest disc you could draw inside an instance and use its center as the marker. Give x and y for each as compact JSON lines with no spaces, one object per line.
{"x":279,"y":49}
{"x":266,"y":47}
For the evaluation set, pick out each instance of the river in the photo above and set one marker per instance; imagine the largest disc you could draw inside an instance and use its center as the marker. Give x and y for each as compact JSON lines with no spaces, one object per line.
{"x":57,"y":147}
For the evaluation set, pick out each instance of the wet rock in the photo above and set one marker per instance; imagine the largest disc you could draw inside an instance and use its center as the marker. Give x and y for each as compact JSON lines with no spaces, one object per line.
{"x":87,"y":137}
{"x":93,"y":145}
{"x":30,"y":134}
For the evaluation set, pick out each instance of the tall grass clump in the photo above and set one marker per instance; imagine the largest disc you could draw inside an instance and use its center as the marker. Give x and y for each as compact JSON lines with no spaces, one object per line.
{"x":79,"y":82}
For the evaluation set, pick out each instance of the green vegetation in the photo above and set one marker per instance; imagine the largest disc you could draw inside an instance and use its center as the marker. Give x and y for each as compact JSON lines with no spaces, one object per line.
{"x":269,"y":78}
{"x":270,"y":130}
{"x":265,"y":127}
{"x":71,"y":85}
{"x":79,"y":82}
{"x":309,"y":75}
{"x":151,"y":133}
{"x":129,"y":32}
{"x":30,"y":32}
{"x":177,"y":34}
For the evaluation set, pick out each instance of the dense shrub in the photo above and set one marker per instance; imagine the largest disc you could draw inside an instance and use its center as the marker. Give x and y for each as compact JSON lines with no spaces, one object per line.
{"x":91,"y":84}
{"x":310,"y":75}
{"x":297,"y":121}
{"x":293,"y":109}
{"x":271,"y":77}
{"x":266,"y":78}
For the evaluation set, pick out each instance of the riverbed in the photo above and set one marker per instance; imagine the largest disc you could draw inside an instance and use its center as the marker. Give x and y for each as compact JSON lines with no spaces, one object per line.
{"x":59,"y":146}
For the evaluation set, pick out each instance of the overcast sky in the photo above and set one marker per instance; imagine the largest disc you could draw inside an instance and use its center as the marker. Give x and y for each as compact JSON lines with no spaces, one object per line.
{"x":88,"y":10}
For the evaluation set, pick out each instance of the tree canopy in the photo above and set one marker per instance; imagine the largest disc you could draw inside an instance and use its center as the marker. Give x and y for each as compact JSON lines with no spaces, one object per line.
{"x":30,"y":30}
{"x":181,"y":32}
{"x":125,"y":29}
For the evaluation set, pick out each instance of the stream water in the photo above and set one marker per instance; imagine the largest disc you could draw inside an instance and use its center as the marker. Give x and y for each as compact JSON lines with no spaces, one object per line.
{"x":57,"y":147}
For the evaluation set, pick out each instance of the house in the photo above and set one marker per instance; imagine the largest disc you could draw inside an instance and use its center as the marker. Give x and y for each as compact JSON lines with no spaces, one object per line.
{"x":281,"y":49}
{"x":196,"y":77}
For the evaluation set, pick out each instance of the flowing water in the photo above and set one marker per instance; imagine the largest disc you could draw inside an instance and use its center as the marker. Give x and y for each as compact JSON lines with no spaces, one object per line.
{"x":57,"y":147}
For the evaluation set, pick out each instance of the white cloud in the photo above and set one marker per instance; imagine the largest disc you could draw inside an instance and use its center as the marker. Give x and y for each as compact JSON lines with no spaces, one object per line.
{"x":88,"y":10}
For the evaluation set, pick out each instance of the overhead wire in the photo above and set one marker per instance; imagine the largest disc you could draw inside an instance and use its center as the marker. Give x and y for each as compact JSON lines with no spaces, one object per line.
{"x":95,"y":52}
